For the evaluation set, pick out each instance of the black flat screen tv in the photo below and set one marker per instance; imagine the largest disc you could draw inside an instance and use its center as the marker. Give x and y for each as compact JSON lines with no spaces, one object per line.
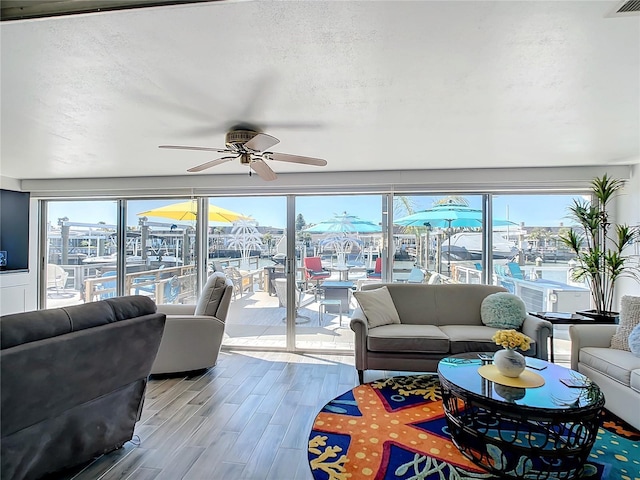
{"x":14,"y":230}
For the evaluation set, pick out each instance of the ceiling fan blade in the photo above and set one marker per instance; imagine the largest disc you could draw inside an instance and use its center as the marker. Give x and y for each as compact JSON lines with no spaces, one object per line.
{"x":261,"y":142}
{"x":262,"y":169}
{"x":212,"y":163}
{"x":202,"y":149}
{"x":285,"y":157}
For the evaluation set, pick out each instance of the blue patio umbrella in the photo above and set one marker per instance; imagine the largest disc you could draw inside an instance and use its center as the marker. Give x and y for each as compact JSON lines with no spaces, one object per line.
{"x":341,"y":232}
{"x":344,"y":223}
{"x":448,"y":215}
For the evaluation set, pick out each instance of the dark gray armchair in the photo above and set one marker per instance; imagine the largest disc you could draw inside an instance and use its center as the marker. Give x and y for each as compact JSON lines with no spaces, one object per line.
{"x":73,"y":381}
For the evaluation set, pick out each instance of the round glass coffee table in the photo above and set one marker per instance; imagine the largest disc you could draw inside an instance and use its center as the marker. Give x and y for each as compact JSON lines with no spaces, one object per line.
{"x":533,"y":433}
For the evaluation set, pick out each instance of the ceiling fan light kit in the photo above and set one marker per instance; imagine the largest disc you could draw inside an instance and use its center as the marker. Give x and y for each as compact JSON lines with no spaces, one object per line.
{"x":250,"y":147}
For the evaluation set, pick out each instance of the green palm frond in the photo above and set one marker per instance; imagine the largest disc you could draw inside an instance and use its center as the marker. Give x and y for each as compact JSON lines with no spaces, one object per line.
{"x":601,"y":260}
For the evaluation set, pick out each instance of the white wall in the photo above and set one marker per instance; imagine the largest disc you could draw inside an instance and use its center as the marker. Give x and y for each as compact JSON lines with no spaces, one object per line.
{"x":628,"y":211}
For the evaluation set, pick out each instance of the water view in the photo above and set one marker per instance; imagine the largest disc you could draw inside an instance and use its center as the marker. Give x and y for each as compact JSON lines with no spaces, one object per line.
{"x":341,"y":243}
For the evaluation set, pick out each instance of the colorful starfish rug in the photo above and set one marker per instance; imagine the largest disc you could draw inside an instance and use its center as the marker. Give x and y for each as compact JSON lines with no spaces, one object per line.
{"x":396,"y":429}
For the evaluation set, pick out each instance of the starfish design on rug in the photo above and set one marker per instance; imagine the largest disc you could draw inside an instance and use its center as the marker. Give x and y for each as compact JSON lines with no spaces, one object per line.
{"x":379,"y":427}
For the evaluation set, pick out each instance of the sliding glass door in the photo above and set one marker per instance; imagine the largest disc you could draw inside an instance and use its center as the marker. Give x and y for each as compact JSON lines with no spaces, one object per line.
{"x":246,"y":239}
{"x":338,"y":244}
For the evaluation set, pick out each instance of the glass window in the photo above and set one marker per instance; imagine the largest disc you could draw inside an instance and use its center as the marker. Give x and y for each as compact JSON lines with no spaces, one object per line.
{"x":528,"y":258}
{"x":81,"y":252}
{"x":161,"y":249}
{"x":437,"y":238}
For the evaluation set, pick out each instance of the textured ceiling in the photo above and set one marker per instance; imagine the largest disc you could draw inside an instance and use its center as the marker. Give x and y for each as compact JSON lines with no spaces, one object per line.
{"x":365,"y":85}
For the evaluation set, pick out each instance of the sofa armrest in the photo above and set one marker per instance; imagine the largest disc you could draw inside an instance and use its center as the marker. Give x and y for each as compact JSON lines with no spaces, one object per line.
{"x":589,"y":336}
{"x":177,"y":309}
{"x":539,"y":330}
{"x":360,"y":328}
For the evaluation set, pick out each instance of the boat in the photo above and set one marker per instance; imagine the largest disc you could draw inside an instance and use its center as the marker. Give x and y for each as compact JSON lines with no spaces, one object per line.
{"x":468,"y":246}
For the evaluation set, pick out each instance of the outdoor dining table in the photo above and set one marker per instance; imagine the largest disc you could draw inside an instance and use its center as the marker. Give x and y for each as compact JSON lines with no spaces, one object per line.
{"x":339,"y":291}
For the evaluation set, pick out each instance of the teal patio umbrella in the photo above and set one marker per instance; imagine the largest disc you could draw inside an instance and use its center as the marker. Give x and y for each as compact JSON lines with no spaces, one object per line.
{"x":341,"y":232}
{"x":344,"y":223}
{"x":448,"y":215}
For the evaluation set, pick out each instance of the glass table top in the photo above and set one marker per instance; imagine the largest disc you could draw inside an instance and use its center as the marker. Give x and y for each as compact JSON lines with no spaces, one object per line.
{"x":553,"y":395}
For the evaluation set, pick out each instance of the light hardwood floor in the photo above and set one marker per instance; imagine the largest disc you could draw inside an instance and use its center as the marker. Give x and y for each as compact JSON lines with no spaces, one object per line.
{"x":246,"y":418}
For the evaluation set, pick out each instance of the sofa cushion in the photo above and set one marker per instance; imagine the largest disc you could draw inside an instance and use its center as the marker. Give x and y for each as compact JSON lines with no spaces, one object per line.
{"x":470,"y":338}
{"x":629,"y":318}
{"x":503,"y":310}
{"x":408,"y":338}
{"x":635,"y":380}
{"x":614,"y":363}
{"x":378,"y":307}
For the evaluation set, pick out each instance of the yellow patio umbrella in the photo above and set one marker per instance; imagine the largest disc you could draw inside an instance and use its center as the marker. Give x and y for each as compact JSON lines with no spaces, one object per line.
{"x":188,"y":211}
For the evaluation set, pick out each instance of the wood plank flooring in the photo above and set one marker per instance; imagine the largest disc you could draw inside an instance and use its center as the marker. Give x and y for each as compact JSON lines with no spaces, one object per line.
{"x":247,"y":418}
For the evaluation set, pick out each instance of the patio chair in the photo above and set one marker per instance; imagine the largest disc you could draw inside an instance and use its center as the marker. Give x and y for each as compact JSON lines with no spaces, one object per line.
{"x":241,"y":283}
{"x":416,"y":275}
{"x":315,"y":272}
{"x":56,"y":277}
{"x":377,"y":271}
{"x":281,"y":291}
{"x":514,"y":270}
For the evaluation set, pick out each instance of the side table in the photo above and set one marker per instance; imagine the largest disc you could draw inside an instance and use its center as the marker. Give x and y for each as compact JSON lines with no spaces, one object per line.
{"x":561,"y":318}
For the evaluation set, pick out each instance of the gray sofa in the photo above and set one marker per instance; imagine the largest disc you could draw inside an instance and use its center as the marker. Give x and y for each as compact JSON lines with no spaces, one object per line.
{"x":73,"y":381}
{"x":436,"y":321}
{"x":616,"y":372}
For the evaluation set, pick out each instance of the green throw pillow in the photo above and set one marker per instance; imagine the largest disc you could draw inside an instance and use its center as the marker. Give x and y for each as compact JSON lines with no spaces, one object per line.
{"x":503,"y":310}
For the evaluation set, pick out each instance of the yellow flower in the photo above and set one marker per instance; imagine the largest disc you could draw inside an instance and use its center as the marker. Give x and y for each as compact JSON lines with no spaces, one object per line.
{"x":512,"y":339}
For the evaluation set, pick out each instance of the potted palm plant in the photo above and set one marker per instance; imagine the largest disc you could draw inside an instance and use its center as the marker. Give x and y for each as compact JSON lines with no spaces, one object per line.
{"x":599,"y":245}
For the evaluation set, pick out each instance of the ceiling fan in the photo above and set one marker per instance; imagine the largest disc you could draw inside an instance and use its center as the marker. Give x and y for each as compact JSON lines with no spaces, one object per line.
{"x":249,"y":145}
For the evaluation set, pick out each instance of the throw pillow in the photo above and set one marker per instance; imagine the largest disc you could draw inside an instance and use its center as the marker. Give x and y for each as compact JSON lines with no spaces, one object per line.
{"x":634,"y":341}
{"x":378,"y":307}
{"x":503,"y":310}
{"x":629,"y":318}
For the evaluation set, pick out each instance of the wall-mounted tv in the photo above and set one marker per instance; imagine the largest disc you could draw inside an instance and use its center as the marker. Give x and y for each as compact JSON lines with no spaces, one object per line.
{"x":14,"y":230}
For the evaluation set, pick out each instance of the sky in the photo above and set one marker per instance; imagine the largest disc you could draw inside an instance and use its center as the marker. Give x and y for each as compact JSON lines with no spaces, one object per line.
{"x":533,"y":210}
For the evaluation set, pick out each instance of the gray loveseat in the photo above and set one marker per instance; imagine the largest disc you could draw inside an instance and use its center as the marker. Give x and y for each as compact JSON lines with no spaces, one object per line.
{"x":73,"y":381}
{"x":436,"y":321}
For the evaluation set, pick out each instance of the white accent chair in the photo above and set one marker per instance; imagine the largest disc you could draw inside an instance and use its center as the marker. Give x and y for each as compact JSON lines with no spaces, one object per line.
{"x":616,"y":372}
{"x":193,"y":333}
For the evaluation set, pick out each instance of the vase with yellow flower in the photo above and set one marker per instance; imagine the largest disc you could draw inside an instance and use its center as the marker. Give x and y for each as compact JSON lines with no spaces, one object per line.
{"x":509,"y":361}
